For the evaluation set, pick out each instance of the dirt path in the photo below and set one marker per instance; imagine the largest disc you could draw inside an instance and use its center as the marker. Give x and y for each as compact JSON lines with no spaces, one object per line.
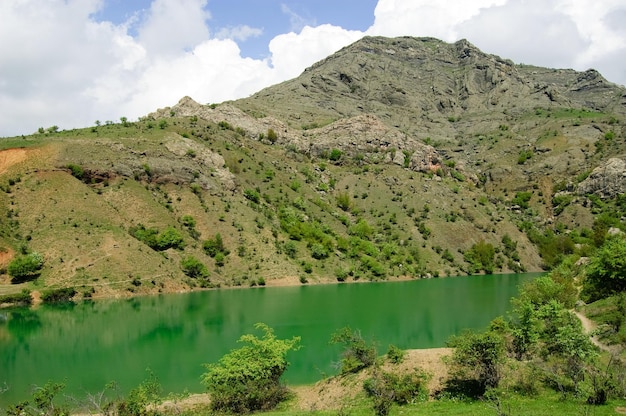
{"x":589,"y":326}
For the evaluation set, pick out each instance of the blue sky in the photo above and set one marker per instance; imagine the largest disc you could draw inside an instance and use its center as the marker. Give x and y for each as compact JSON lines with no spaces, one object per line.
{"x":71,"y":62}
{"x":272,"y":17}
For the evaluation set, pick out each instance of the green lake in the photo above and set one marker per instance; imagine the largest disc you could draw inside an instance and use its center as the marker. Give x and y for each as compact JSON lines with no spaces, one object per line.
{"x":88,"y":345}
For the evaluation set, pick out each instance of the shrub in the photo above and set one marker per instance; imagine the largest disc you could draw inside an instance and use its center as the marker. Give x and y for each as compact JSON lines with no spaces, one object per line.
{"x":272,"y":136}
{"x":335,"y":155}
{"x":343,"y":201}
{"x":395,"y":354}
{"x":252,"y":195}
{"x":170,"y":238}
{"x":214,"y":246}
{"x":247,"y":379}
{"x":524,"y":155}
{"x":357,"y":354}
{"x":193,"y":268}
{"x":76,"y":171}
{"x":481,"y":257}
{"x":522,"y":199}
{"x":606,"y":274}
{"x":25,"y":267}
{"x":22,"y":298}
{"x":318,"y":251}
{"x":58,"y":295}
{"x":388,"y":388}
{"x":141,"y":400}
{"x":478,"y":357}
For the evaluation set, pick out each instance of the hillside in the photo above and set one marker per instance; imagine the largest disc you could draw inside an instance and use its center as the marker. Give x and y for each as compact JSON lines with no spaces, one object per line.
{"x":393,"y":158}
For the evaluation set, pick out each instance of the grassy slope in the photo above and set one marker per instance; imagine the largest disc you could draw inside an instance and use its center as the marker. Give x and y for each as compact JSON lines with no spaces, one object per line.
{"x":81,"y":228}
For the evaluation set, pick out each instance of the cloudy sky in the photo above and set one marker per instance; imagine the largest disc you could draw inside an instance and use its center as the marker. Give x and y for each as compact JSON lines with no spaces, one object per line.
{"x":71,"y":62}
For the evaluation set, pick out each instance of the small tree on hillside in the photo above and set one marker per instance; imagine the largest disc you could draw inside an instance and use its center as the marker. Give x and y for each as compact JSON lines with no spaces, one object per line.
{"x":25,"y":268}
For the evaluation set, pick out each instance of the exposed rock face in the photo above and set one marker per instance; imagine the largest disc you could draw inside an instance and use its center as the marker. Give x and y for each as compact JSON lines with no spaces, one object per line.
{"x":187,"y":107}
{"x":607,"y":180}
{"x":214,"y":162}
{"x":420,"y":102}
{"x":361,"y":136}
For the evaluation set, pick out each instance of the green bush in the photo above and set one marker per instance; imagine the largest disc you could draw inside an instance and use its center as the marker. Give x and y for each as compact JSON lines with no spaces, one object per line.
{"x":272,"y":136}
{"x":64,"y":294}
{"x":194,"y":268}
{"x":22,"y":298}
{"x":522,"y":199}
{"x":357,"y":354}
{"x":252,"y":195}
{"x":478,"y":358}
{"x":212,"y":247}
{"x":141,"y":400}
{"x":481,"y":257}
{"x":395,"y":354}
{"x":606,"y":274}
{"x":76,"y":171}
{"x":318,"y":251}
{"x":159,"y":241}
{"x":335,"y":155}
{"x":388,"y":388}
{"x":24,"y":268}
{"x":170,"y":238}
{"x":247,"y":379}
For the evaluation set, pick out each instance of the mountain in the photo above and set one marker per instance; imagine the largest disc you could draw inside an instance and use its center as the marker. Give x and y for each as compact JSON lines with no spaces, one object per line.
{"x":392,"y":158}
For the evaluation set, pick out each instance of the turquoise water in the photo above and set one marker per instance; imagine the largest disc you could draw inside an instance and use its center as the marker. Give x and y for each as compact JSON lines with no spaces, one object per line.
{"x":88,"y":345}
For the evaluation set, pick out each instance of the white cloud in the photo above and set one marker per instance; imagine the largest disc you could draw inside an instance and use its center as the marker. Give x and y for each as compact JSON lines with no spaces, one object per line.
{"x":437,"y":19}
{"x":238,"y":33}
{"x":173,"y":26}
{"x":515,"y":30}
{"x":575,"y":34}
{"x":58,"y":66}
{"x":293,"y":52}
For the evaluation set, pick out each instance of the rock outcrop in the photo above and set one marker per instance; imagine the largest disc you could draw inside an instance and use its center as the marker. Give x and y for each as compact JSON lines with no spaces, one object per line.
{"x":605,"y":181}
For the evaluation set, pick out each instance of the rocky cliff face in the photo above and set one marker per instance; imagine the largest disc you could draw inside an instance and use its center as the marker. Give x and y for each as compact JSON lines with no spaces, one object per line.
{"x":606,"y":181}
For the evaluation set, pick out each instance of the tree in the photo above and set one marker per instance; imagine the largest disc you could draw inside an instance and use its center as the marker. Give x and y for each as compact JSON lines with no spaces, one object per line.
{"x":193,"y":268}
{"x":479,"y":357}
{"x":214,"y":246}
{"x":170,"y":238}
{"x":481,"y":257}
{"x":606,"y":273}
{"x":248,"y":378}
{"x":25,"y":267}
{"x":357,"y":354}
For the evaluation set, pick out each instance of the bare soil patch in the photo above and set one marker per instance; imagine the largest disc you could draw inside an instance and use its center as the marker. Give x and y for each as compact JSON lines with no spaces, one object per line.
{"x":11,"y":157}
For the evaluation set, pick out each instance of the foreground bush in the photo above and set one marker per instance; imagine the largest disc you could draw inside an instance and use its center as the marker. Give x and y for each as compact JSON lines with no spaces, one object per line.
{"x":357,"y":354}
{"x":248,"y":379}
{"x":388,"y":388}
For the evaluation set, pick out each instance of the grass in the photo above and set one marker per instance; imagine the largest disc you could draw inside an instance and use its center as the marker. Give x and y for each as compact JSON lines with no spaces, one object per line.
{"x":548,"y":404}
